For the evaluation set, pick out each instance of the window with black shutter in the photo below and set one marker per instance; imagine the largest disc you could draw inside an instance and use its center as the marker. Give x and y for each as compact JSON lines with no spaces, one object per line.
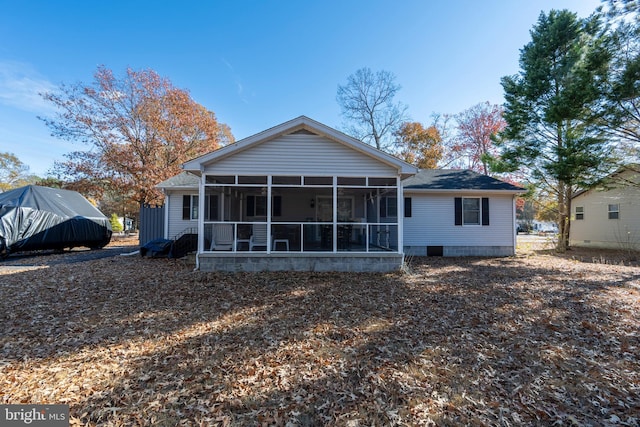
{"x":186,"y":207}
{"x":407,"y":207}
{"x":471,"y":210}
{"x":457,"y":210}
{"x":485,"y":211}
{"x":189,"y":207}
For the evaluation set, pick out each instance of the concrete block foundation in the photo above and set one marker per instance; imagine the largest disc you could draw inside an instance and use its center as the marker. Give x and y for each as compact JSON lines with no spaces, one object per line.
{"x":346,"y":262}
{"x":454,"y":251}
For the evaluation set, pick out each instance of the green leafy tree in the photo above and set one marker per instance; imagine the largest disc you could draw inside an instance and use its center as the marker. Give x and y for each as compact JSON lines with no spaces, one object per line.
{"x":116,"y":225}
{"x":550,"y":133}
{"x":620,"y":109}
{"x":14,"y":173}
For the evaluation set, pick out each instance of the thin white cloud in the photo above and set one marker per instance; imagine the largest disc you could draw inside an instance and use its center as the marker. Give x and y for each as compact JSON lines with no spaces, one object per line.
{"x":228,"y":64}
{"x":237,"y":80}
{"x":21,"y":85}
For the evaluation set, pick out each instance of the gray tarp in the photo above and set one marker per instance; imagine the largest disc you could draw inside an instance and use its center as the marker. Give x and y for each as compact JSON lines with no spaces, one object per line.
{"x":34,"y":218}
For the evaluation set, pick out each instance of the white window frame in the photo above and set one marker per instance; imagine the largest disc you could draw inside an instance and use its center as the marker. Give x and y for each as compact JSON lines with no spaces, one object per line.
{"x":389,"y":213}
{"x":472,"y":224}
{"x":579,"y":213}
{"x":193,"y":208}
{"x":615,"y":211}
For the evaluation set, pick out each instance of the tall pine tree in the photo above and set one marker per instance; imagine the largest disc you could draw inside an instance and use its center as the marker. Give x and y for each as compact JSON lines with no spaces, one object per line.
{"x":550,"y":133}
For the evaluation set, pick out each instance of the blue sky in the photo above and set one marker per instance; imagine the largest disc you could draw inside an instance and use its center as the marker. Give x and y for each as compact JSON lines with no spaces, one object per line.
{"x":259,"y":63}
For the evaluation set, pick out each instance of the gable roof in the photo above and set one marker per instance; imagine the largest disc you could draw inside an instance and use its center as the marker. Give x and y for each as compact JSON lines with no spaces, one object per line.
{"x":455,"y":179}
{"x":616,"y":179}
{"x":300,"y":124}
{"x":184,"y":180}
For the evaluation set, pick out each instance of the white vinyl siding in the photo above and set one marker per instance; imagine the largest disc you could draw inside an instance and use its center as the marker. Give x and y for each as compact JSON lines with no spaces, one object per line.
{"x":597,"y":230}
{"x":432,"y":222}
{"x":301,"y":154}
{"x":176,"y":224}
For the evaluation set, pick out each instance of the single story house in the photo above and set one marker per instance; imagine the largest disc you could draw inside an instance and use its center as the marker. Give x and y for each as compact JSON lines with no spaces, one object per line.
{"x":304,"y":196}
{"x":608,"y":216}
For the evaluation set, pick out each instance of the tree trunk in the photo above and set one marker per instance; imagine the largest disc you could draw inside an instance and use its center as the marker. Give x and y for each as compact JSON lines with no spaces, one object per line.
{"x":567,"y":196}
{"x":562,"y":225}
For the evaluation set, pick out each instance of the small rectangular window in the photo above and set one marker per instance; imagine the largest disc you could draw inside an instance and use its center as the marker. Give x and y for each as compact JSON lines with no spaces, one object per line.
{"x":257,"y":206}
{"x":579,"y":212}
{"x":189,"y":207}
{"x":471,"y":211}
{"x":614,"y":211}
{"x":388,"y":207}
{"x":392,"y":206}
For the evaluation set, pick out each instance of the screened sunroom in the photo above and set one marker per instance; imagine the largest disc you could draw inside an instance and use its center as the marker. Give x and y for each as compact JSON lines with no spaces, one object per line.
{"x":300,"y":214}
{"x":299,"y":196}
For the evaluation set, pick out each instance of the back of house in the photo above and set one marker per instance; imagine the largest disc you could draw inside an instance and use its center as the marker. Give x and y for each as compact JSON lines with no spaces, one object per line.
{"x":304,"y":196}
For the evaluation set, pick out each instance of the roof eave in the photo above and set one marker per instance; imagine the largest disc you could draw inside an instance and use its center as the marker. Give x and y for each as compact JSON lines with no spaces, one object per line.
{"x":197,"y":165}
{"x":461,"y":190}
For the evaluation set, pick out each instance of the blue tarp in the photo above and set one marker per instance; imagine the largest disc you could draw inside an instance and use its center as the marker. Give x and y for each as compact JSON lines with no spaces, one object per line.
{"x":156,"y":248}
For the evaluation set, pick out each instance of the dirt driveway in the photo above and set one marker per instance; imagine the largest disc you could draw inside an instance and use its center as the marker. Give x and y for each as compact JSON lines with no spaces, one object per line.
{"x":24,"y":261}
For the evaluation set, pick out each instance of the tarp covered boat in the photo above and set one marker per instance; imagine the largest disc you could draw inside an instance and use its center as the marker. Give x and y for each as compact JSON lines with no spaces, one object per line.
{"x":37,"y":218}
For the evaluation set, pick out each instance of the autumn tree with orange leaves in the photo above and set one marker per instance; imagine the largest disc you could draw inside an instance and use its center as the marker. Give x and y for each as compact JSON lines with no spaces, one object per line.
{"x":139,"y":129}
{"x":418,"y":145}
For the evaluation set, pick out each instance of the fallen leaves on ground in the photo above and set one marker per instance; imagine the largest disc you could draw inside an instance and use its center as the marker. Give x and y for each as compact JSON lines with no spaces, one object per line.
{"x":538,"y":340}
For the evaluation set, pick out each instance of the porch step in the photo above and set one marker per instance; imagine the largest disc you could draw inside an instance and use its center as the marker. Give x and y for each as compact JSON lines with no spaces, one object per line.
{"x":189,"y":259}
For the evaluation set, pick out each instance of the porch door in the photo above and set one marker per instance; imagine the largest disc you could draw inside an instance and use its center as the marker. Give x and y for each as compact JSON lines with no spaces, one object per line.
{"x":324,"y":209}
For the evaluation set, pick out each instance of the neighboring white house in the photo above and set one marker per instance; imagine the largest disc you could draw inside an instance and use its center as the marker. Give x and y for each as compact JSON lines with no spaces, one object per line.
{"x":608,"y":217}
{"x":304,"y":196}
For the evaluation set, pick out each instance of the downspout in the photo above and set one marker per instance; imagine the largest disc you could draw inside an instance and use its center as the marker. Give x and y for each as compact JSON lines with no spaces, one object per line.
{"x":400,"y":210}
{"x":269,"y":212}
{"x":200,"y":218}
{"x":514,"y":228}
{"x":334,"y":215}
{"x":166,"y":213}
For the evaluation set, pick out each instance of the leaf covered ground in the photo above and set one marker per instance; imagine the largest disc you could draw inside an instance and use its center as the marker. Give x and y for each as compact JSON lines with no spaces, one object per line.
{"x":535,"y":339}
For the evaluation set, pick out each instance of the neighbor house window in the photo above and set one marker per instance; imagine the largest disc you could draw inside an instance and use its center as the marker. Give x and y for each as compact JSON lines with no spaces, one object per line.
{"x":614,"y":211}
{"x":471,"y":210}
{"x":579,"y":212}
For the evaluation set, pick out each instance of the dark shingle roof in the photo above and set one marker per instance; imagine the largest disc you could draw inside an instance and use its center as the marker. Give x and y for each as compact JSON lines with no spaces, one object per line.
{"x":454,"y":179}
